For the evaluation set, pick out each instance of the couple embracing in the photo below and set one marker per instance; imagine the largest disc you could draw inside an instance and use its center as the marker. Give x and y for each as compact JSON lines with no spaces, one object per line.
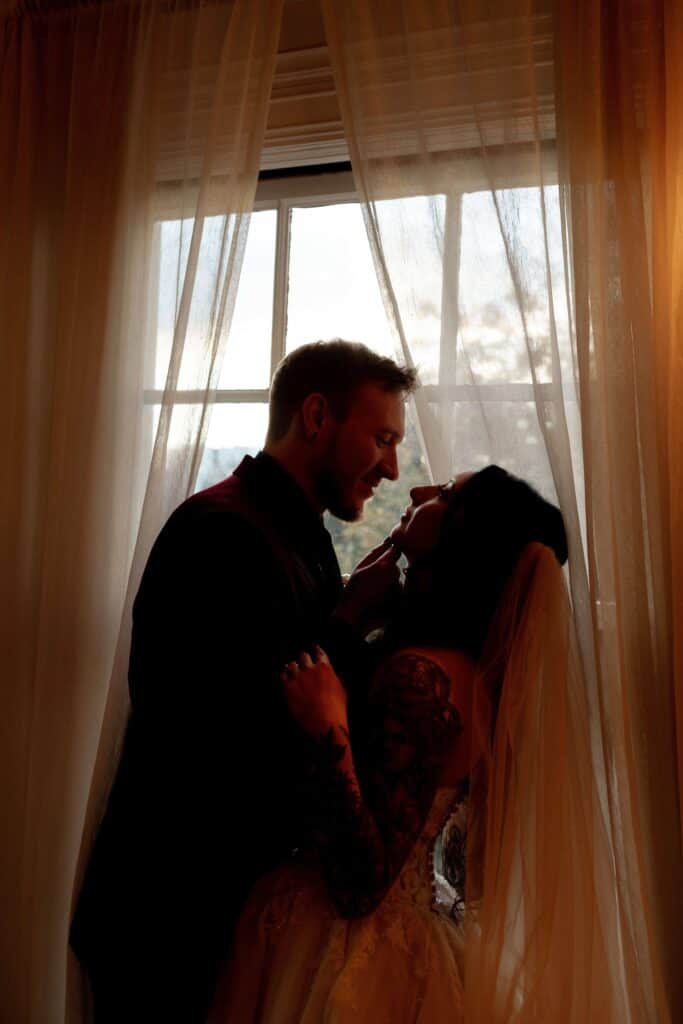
{"x":268,"y":849}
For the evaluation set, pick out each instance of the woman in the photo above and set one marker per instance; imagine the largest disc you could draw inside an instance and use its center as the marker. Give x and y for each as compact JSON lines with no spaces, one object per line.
{"x":356,"y":933}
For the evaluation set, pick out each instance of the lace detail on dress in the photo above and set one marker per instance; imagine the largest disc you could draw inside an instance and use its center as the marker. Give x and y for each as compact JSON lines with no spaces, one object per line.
{"x":366,"y":840}
{"x":416,"y":882}
{"x":450,"y":856}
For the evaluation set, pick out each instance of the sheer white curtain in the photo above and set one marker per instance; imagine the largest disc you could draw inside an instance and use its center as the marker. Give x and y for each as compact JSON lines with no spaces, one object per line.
{"x":113,"y":116}
{"x":515,"y":161}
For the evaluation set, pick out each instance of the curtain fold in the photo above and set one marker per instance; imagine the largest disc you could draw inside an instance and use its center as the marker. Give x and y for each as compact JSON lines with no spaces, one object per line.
{"x":664,"y":219}
{"x":618,"y":197}
{"x":518,"y":165}
{"x":538,"y":943}
{"x":99,"y":104}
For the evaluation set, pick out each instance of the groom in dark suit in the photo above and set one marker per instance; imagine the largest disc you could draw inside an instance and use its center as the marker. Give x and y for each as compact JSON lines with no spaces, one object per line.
{"x":242,"y":577}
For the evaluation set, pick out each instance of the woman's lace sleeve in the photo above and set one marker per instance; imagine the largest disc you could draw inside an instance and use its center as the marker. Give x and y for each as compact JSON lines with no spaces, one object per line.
{"x":367,"y":828}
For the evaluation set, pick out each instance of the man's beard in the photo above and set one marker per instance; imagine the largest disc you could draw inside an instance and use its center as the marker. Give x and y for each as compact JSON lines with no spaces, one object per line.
{"x":332,"y":497}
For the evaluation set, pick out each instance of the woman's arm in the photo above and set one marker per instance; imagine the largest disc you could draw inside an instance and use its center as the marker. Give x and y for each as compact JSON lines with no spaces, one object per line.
{"x":366,"y":831}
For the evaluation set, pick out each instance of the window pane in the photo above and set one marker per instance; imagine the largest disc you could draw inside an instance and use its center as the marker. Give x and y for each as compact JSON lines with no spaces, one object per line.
{"x":236,"y":429}
{"x":492,"y":332}
{"x":174,"y":243}
{"x":247,"y":355}
{"x":215,"y":241}
{"x":353,"y":540}
{"x":414,"y":247}
{"x":333,"y":291}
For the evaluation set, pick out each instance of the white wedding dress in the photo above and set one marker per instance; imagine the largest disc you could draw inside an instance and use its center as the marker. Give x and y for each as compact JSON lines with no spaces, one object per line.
{"x":545,"y":938}
{"x":296,"y":961}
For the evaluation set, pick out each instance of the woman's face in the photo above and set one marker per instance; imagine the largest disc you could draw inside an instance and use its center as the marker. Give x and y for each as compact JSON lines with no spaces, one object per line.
{"x":418,"y":529}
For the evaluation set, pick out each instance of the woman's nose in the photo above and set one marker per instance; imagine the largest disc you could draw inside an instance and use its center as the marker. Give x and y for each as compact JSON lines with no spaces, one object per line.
{"x":418,"y":495}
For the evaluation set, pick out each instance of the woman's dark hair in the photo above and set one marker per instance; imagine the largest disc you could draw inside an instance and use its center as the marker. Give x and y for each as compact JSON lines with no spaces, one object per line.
{"x":490,"y":519}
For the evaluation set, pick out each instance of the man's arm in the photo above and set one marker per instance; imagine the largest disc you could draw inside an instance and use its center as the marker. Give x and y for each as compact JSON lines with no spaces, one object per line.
{"x":212,"y":601}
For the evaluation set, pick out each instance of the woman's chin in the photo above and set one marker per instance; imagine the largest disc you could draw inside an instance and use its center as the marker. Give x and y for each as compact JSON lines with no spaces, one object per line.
{"x":395,"y":538}
{"x":398,"y":542}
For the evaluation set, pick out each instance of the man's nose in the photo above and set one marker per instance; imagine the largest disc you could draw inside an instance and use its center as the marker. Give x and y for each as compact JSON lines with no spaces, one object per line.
{"x":390,"y":464}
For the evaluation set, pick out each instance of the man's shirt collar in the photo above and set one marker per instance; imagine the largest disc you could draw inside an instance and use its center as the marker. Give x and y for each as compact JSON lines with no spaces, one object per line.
{"x":264,"y":475}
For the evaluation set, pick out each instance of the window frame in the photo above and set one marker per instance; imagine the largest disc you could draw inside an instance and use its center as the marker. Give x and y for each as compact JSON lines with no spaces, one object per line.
{"x":280,"y":193}
{"x":284,"y":190}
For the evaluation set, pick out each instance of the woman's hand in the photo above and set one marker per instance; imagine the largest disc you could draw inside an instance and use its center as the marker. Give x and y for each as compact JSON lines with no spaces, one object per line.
{"x":372,"y":589}
{"x":315,"y":695}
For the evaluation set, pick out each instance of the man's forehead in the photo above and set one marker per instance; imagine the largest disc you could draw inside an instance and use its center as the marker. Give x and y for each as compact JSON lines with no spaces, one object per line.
{"x":372,"y":396}
{"x":372,"y":401}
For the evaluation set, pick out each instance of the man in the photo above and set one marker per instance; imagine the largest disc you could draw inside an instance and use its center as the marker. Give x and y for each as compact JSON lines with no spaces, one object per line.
{"x":241,"y":579}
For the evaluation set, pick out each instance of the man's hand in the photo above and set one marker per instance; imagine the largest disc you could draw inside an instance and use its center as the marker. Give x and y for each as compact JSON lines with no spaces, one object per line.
{"x":315,"y":696}
{"x":372,"y":589}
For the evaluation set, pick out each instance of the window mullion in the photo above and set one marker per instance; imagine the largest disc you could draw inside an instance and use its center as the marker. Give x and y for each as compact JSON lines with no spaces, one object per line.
{"x":277,"y":350}
{"x":450,"y":288}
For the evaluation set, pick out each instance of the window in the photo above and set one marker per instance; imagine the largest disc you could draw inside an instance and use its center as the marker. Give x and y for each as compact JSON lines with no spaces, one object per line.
{"x":307,"y":273}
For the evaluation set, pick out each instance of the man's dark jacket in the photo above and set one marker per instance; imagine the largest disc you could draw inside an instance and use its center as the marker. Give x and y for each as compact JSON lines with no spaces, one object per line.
{"x":242,"y":577}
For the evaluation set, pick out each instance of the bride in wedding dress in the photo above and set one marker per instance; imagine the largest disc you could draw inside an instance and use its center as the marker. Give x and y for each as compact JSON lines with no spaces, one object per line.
{"x":409,"y":797}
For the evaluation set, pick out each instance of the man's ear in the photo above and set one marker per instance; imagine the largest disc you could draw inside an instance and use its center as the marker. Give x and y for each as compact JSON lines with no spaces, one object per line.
{"x":315,"y":413}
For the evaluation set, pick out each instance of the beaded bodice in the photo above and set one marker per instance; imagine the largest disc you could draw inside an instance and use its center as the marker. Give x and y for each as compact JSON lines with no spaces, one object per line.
{"x":422,"y":879}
